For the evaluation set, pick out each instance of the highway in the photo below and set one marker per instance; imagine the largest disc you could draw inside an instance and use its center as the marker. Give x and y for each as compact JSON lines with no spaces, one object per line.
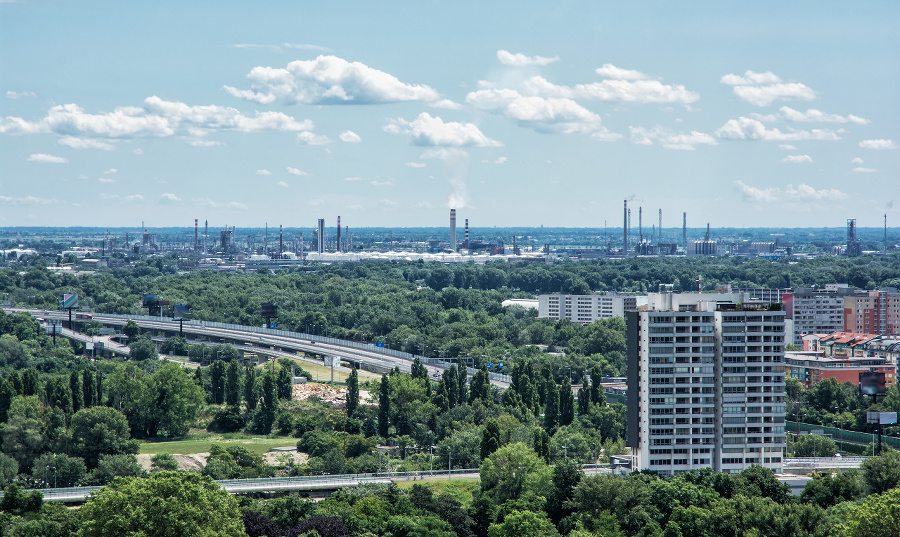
{"x":274,"y":342}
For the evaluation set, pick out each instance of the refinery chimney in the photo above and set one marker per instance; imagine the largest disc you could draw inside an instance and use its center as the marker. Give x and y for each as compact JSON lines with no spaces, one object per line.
{"x":453,"y":230}
{"x":338,"y":245}
{"x":684,"y":232}
{"x":320,"y":237}
{"x":625,"y":229}
{"x":467,"y":233}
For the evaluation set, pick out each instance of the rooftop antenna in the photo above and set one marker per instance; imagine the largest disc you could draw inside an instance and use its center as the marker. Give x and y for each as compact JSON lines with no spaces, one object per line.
{"x":707,"y":232}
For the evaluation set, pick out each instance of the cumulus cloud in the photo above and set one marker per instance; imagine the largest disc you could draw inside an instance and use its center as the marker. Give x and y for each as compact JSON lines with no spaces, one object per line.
{"x":199,"y":142}
{"x":138,"y":151}
{"x":622,"y":90}
{"x":811,"y":115}
{"x":543,"y":114}
{"x":43,"y":157}
{"x":447,"y":104}
{"x":416,"y":164}
{"x":611,"y":71}
{"x":761,"y":89}
{"x":382,"y":183}
{"x":521,"y":60}
{"x":117,"y":197}
{"x":787,"y":147}
{"x":669,"y":139}
{"x":263,"y":172}
{"x":856,"y":160}
{"x":878,"y":144}
{"x":501,"y":160}
{"x":329,"y":80}
{"x":432,"y":131}
{"x":282,"y":184}
{"x":388,"y":203}
{"x":20,"y":94}
{"x":157,"y":118}
{"x":168,"y":197}
{"x":864,"y":170}
{"x":310,"y":138}
{"x":745,"y":128}
{"x":85,"y":143}
{"x":27,"y":200}
{"x":110,"y":171}
{"x":802,"y":193}
{"x":352,"y":179}
{"x":107,"y":180}
{"x":295,"y":171}
{"x":796,"y":159}
{"x":350,"y":137}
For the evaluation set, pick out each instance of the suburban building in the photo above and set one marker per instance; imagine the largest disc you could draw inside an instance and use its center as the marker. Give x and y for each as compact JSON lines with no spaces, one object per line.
{"x":705,"y":383}
{"x":873,"y":312}
{"x":816,"y":311}
{"x":813,"y":367}
{"x":585,"y":309}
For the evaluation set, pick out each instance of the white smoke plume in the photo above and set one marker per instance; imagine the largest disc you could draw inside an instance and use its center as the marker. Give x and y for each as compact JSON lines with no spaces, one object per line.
{"x":455,"y":161}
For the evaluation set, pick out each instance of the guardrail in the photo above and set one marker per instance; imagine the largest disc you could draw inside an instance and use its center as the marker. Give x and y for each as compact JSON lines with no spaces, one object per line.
{"x":822,"y":462}
{"x":842,"y":435}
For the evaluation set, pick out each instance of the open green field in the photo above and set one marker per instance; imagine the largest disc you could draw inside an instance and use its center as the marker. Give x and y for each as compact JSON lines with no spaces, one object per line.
{"x":461,"y":489}
{"x":201,"y":445}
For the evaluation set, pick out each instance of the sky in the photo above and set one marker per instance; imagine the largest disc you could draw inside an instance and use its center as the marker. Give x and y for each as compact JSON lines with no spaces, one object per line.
{"x":742,"y":114}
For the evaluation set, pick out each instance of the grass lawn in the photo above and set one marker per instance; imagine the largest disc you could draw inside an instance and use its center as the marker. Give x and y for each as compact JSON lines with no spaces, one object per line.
{"x":461,"y":489}
{"x":201,"y":445}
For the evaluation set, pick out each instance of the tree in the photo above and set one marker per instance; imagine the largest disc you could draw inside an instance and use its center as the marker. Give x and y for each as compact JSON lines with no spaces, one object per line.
{"x":31,"y":383}
{"x":566,"y":404}
{"x":24,"y":435}
{"x":9,"y":468}
{"x":77,"y":392}
{"x":827,"y":490}
{"x":384,"y":406}
{"x":284,"y":383}
{"x":490,"y":438}
{"x":165,"y":504}
{"x":814,"y":445}
{"x":233,"y":384}
{"x":353,"y":392}
{"x":131,"y":330}
{"x":882,"y":473}
{"x":87,"y":388}
{"x":100,"y":430}
{"x":451,"y":385}
{"x":113,"y":466}
{"x":251,"y":388}
{"x":217,"y":382}
{"x":480,"y":387}
{"x":7,"y":392}
{"x":513,"y":471}
{"x":551,"y":411}
{"x":878,"y":516}
{"x":142,"y":349}
{"x":523,"y":524}
{"x":176,"y":400}
{"x":58,"y":470}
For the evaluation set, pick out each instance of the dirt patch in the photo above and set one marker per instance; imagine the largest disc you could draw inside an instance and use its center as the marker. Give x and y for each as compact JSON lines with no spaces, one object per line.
{"x":333,"y":396}
{"x":271,"y":457}
{"x":192,"y":461}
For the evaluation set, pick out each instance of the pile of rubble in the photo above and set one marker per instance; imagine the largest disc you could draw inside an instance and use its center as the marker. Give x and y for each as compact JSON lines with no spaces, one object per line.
{"x":332,"y":396}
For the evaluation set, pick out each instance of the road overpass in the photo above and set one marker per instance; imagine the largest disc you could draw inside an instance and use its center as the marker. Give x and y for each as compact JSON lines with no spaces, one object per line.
{"x":272,"y":342}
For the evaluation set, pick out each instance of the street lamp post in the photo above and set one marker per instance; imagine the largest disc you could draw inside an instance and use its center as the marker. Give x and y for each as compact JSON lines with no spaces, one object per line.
{"x":431,"y":451}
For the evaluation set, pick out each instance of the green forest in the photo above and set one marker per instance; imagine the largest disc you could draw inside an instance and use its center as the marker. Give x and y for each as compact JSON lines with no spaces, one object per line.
{"x":68,"y":420}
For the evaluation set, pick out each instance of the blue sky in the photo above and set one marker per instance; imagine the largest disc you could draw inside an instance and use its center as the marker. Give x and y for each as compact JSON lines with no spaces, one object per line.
{"x":388,"y":113}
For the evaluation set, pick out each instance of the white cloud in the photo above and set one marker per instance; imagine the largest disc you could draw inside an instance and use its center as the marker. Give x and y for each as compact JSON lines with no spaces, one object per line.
{"x":796,"y":159}
{"x":138,"y":151}
{"x":85,"y":143}
{"x":388,"y":203}
{"x":306,"y":46}
{"x":116,"y":197}
{"x":416,"y":164}
{"x":432,"y":131}
{"x":43,"y":157}
{"x":352,"y":179}
{"x":199,"y":142}
{"x":761,"y":89}
{"x":444,"y":153}
{"x":745,"y":128}
{"x":382,"y":183}
{"x":878,"y":144}
{"x":310,"y":138}
{"x":27,"y":200}
{"x":263,"y":172}
{"x":329,"y":80}
{"x":864,"y":170}
{"x":422,"y":205}
{"x":295,"y":171}
{"x":811,"y":116}
{"x":110,"y":171}
{"x":669,"y":139}
{"x":501,"y":160}
{"x":543,"y":114}
{"x":802,"y":193}
{"x":521,"y":60}
{"x":282,"y":184}
{"x":856,"y":160}
{"x":640,"y":91}
{"x":447,"y":104}
{"x":611,"y":71}
{"x":107,"y":180}
{"x":350,"y":137}
{"x":157,"y":118}
{"x":168,"y":197}
{"x":787,"y":147}
{"x":220,"y":204}
{"x":20,"y":94}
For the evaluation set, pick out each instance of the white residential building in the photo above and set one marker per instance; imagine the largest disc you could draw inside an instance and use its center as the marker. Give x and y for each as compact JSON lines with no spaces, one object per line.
{"x":585,"y":309}
{"x":705,"y":383}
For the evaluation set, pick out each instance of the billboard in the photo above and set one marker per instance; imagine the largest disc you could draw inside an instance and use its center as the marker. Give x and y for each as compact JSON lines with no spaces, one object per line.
{"x":269,"y":309}
{"x":884,"y":418}
{"x":181,"y":313}
{"x":872,"y":383}
{"x":150,"y":301}
{"x":69,"y":301}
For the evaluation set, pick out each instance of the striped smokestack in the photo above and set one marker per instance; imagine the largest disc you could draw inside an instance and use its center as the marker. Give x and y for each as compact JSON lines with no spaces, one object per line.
{"x":467,"y":235}
{"x":338,"y":245}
